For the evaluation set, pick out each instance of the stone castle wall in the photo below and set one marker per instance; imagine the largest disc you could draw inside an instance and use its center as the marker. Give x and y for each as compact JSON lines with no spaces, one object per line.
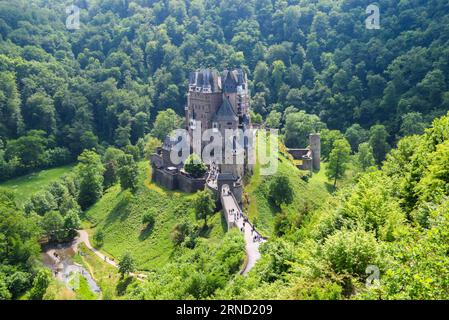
{"x":298,"y":153}
{"x":190,"y":185}
{"x":177,"y":180}
{"x":310,"y":157}
{"x":166,"y":179}
{"x":237,"y":190}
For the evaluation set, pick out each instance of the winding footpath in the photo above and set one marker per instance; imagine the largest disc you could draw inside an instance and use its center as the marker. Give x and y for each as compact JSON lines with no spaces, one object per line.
{"x":84,"y":238}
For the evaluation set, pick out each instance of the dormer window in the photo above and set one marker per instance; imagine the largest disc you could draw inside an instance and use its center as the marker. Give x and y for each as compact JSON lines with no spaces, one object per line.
{"x":214,"y":126}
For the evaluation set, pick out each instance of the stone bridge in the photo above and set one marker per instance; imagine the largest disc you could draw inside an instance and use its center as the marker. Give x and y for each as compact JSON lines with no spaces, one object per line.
{"x":253,"y":239}
{"x":235,"y":218}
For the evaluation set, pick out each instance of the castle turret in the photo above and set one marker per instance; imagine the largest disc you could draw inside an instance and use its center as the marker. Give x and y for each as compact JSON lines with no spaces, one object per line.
{"x":315,"y":148}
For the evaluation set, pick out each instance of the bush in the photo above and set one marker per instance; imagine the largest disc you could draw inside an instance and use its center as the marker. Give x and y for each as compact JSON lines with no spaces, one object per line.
{"x":178,"y":234}
{"x":194,"y":166}
{"x":281,"y":224}
{"x":351,"y":251}
{"x":184,"y":234}
{"x":99,"y":237}
{"x":281,"y":191}
{"x":40,"y":284}
{"x":148,"y":219}
{"x":19,"y":282}
{"x":306,"y":176}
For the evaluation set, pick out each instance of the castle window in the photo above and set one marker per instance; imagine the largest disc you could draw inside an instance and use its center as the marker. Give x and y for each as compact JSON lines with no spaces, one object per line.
{"x":215,"y":127}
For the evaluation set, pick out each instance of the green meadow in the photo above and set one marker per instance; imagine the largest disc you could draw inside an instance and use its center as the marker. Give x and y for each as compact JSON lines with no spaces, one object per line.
{"x":26,"y":186}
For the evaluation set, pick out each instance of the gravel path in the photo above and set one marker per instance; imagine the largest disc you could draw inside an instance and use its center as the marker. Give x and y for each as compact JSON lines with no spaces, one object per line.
{"x":84,"y":238}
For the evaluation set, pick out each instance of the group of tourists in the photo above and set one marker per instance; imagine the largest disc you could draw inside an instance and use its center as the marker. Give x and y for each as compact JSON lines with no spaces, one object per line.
{"x":236,"y":214}
{"x":239,"y":215}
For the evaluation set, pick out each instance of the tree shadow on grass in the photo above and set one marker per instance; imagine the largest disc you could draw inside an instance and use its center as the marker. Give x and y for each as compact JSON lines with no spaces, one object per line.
{"x":330,"y":187}
{"x":145,"y":232}
{"x":274,"y":208}
{"x":123,"y":284}
{"x":205,"y":231}
{"x":224,"y":224}
{"x":121,"y":210}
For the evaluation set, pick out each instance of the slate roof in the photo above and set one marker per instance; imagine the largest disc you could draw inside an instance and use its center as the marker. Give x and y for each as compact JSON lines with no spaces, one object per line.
{"x":233,"y":79}
{"x":226,"y":112}
{"x":205,"y":79}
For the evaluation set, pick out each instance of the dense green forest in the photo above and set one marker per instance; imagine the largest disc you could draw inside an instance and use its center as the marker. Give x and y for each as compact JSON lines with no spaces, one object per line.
{"x":101,"y":98}
{"x":63,"y":91}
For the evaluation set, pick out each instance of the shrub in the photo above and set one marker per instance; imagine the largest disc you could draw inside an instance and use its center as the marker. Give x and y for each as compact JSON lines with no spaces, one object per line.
{"x":148,"y":219}
{"x":281,"y":191}
{"x":194,"y":166}
{"x":351,"y":251}
{"x":99,"y":237}
{"x":40,"y":284}
{"x":184,"y":234}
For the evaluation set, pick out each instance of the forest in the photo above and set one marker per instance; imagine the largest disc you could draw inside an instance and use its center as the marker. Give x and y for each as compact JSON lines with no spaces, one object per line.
{"x":101,"y":97}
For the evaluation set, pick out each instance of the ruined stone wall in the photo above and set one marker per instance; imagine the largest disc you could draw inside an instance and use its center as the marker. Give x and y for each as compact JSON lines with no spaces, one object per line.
{"x":167,"y":158}
{"x":165,"y":179}
{"x":237,"y":190}
{"x":297,"y":154}
{"x":156,"y":161}
{"x":216,"y":195}
{"x":307,"y":164}
{"x":190,"y":185}
{"x":238,"y":170}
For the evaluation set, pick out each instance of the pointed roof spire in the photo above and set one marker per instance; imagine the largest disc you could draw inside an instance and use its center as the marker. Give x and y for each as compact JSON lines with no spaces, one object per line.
{"x":226,"y":112}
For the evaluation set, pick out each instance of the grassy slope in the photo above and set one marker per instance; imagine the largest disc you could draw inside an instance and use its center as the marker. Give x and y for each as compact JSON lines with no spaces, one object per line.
{"x":105,"y":275}
{"x":308,"y":195}
{"x":119,"y":215}
{"x":25,"y":186}
{"x":83,"y":291}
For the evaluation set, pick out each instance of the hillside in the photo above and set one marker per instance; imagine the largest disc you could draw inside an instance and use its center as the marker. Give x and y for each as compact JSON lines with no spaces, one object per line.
{"x":308,"y":195}
{"x":394,"y":219}
{"x":119,"y":216}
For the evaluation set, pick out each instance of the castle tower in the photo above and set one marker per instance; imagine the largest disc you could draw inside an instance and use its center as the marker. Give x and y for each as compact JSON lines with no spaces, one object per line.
{"x":219,"y":102}
{"x":203,"y":100}
{"x":315,"y":147}
{"x":235,"y":89}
